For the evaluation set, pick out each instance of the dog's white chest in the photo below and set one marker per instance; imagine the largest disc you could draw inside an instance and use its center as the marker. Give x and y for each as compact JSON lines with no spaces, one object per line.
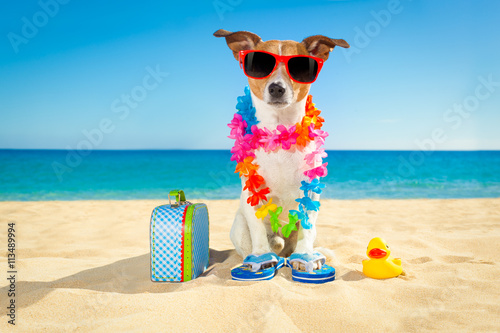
{"x":283,"y":170}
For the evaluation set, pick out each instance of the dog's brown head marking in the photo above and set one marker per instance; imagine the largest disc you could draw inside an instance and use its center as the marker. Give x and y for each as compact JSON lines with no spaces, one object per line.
{"x":318,"y":46}
{"x":239,"y":40}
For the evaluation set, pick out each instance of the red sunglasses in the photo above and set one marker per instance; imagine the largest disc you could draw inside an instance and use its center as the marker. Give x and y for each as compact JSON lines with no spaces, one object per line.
{"x":261,"y":64}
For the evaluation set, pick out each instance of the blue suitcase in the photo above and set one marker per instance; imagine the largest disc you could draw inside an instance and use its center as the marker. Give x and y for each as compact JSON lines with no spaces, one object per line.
{"x":179,"y":235}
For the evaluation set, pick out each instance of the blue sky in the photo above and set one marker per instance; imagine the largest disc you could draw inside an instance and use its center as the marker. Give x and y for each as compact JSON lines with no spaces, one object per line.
{"x":420,"y":74}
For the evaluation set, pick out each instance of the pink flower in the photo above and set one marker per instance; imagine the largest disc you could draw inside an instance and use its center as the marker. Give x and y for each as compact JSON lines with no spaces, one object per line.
{"x":241,"y":149}
{"x":316,"y":133}
{"x":288,"y":137}
{"x":320,"y":171}
{"x":321,"y":153}
{"x":254,"y":138}
{"x":319,"y":142}
{"x":315,"y":156}
{"x":237,"y":126}
{"x":270,"y":140}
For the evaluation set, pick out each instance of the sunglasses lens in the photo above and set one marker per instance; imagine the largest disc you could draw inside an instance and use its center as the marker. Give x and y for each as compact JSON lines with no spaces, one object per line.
{"x":303,"y":69}
{"x":259,"y":64}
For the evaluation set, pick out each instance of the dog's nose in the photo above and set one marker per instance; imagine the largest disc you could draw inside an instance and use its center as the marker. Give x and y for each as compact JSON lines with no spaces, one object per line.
{"x":276,"y":91}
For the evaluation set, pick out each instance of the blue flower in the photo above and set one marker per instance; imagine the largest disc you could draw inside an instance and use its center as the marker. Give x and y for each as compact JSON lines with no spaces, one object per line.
{"x":305,"y":222}
{"x":302,"y":216}
{"x":314,"y":186}
{"x":247,"y":110}
{"x":308,"y":203}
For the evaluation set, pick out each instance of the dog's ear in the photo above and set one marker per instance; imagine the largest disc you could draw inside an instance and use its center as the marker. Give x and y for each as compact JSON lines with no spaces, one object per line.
{"x":321,"y":46}
{"x":239,"y":40}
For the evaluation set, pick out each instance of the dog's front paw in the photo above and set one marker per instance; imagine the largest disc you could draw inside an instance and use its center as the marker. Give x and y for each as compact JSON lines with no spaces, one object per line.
{"x":262,"y":266}
{"x":302,"y":267}
{"x":307,"y":262}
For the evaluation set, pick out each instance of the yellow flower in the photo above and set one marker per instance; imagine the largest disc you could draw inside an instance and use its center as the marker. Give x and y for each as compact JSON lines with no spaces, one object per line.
{"x":262,"y":212}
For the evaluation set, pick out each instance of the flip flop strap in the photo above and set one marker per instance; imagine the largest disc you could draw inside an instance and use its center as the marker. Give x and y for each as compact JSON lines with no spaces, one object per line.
{"x":307,"y":259}
{"x":256,"y":262}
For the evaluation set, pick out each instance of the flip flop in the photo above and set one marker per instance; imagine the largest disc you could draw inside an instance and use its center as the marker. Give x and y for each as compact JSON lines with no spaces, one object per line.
{"x":324,"y":274}
{"x":251,"y":268}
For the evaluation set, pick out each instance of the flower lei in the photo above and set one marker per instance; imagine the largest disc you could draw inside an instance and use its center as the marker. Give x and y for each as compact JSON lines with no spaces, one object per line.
{"x":248,"y":138}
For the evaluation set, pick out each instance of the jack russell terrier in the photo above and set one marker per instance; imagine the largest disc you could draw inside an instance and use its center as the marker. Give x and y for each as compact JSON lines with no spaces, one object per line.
{"x":279,"y":155}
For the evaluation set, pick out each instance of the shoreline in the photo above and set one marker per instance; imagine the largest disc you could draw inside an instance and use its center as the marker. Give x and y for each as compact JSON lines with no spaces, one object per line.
{"x":237,"y":199}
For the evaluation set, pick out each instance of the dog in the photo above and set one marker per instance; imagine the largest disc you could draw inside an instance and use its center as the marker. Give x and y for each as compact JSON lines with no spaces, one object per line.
{"x":278,"y":100}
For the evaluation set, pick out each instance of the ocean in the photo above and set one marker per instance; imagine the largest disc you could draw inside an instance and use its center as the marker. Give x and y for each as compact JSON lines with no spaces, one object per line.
{"x":209,"y":174}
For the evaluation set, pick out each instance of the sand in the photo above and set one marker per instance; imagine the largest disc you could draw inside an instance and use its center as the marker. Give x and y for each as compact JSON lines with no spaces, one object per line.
{"x":84,"y":266}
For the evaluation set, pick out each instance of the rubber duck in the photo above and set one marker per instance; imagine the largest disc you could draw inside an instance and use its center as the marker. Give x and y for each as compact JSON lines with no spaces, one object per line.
{"x":380,"y":265}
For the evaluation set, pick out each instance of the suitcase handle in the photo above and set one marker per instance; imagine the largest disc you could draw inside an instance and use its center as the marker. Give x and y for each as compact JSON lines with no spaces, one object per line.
{"x":179,"y":195}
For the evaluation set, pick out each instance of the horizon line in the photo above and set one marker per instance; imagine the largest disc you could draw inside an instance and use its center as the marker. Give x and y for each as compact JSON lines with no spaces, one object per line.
{"x":213,"y":149}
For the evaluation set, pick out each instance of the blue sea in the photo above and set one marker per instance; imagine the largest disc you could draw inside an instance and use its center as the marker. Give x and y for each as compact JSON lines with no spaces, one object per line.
{"x":209,"y":174}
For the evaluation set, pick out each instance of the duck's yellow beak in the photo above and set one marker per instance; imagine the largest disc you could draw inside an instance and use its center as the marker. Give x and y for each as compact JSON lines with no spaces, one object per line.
{"x":377,"y":253}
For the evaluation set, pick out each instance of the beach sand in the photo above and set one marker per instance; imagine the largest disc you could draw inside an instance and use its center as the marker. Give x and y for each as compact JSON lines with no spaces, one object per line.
{"x":84,"y":266}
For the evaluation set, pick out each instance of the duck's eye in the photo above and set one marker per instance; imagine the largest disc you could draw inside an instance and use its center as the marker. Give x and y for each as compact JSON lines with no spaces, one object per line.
{"x":387,"y":246}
